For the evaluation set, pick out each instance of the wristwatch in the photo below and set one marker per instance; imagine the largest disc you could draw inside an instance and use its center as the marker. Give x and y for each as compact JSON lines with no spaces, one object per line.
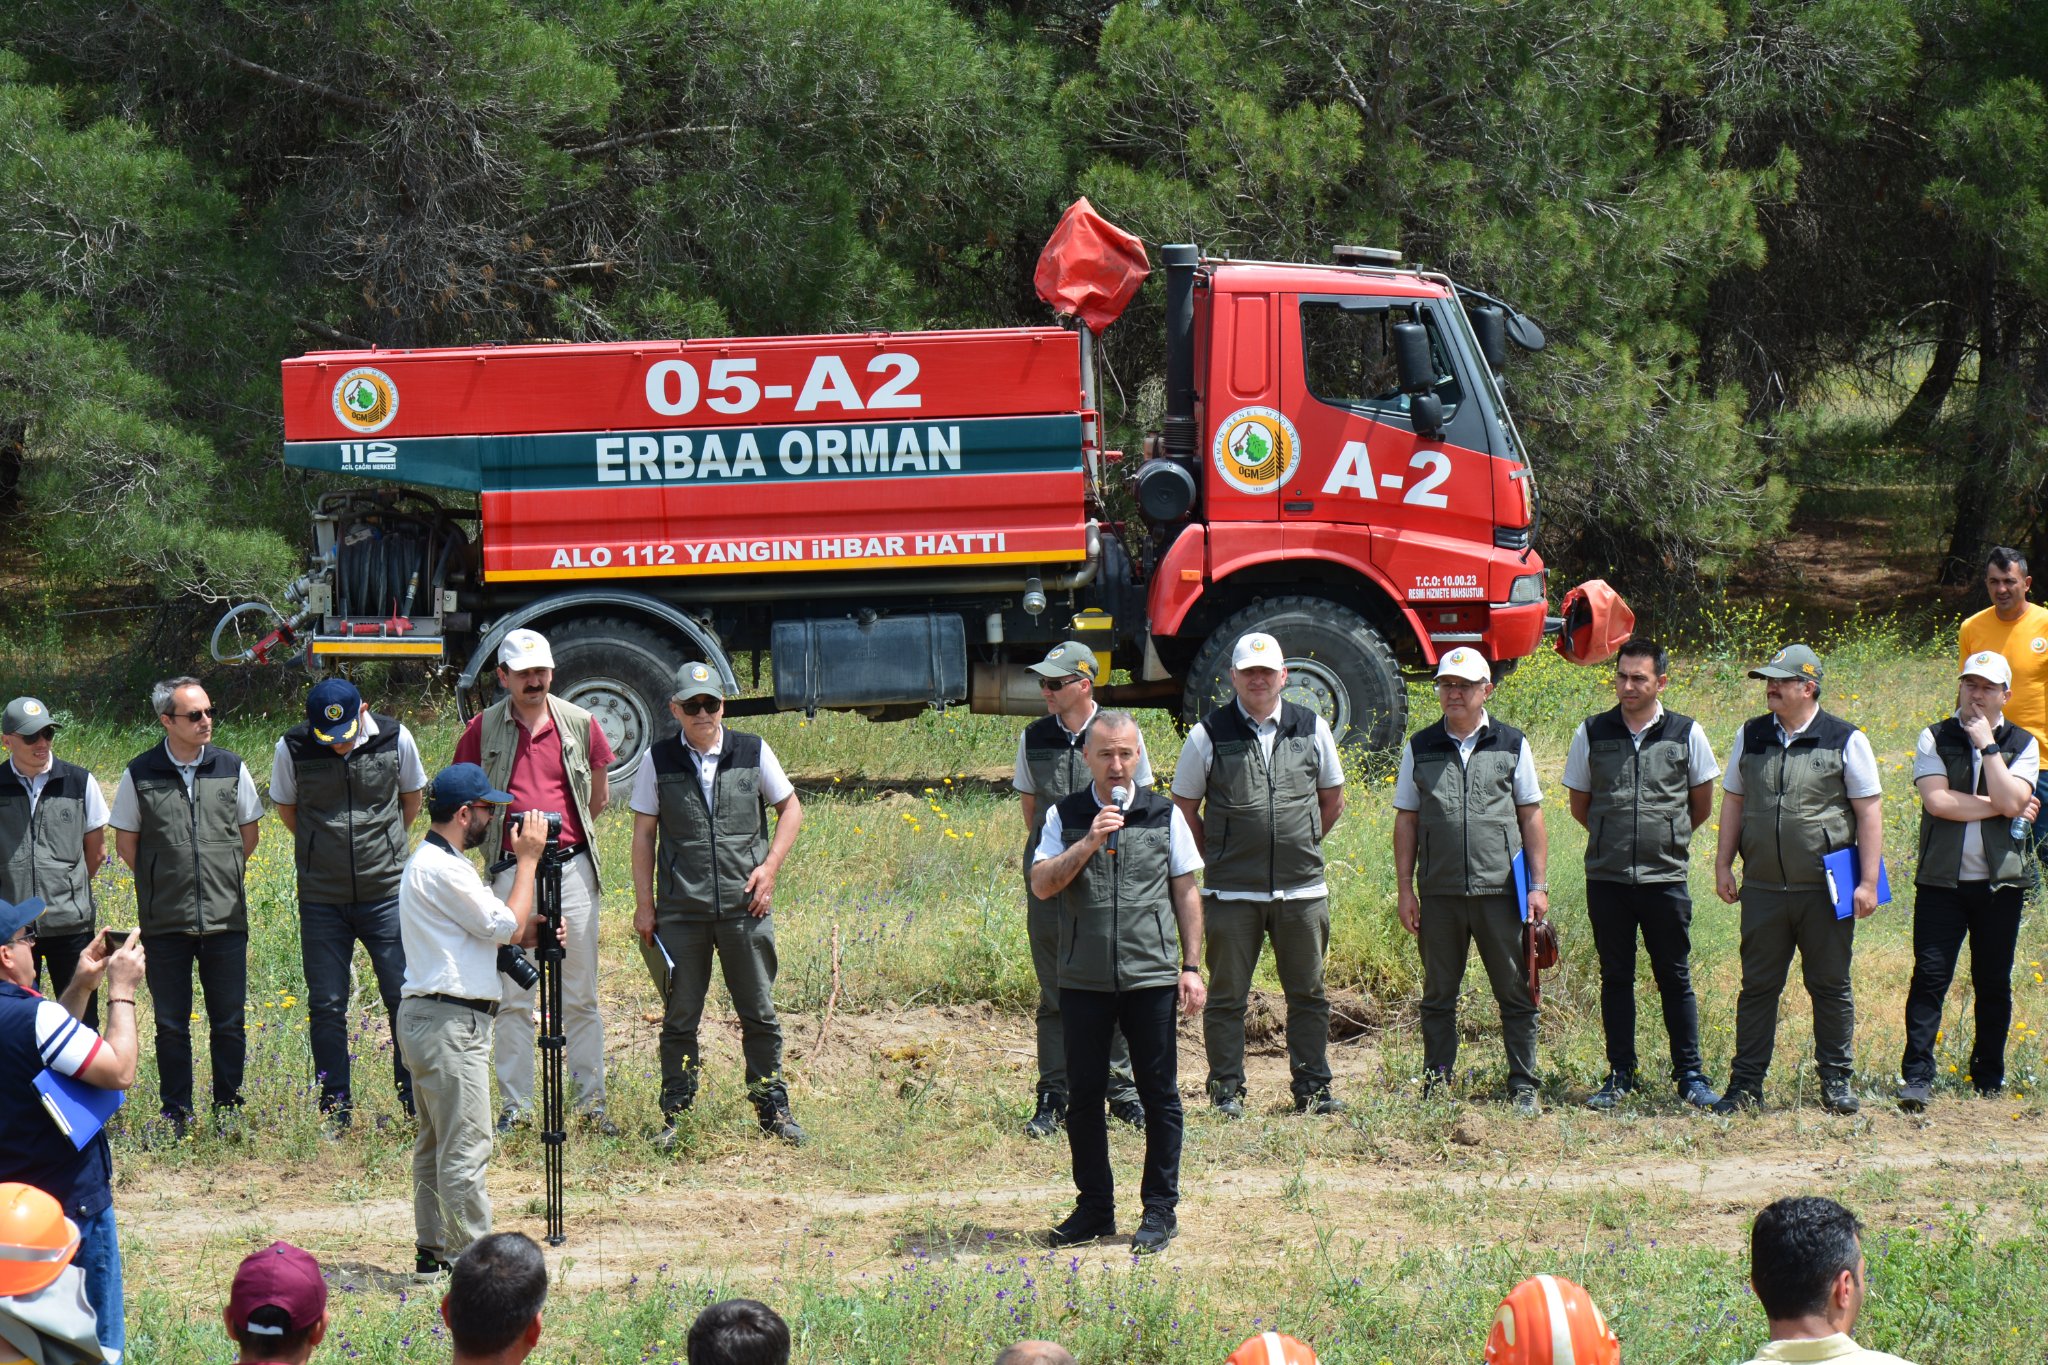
{"x":1190,"y":967}
{"x":1987,"y":751}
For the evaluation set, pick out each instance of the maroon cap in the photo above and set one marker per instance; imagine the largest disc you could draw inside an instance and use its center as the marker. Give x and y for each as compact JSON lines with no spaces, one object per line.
{"x":283,"y":1277}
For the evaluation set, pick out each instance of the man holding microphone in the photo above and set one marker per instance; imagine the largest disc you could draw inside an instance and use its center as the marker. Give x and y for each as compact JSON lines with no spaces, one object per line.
{"x":452,"y":926}
{"x":1123,"y":869}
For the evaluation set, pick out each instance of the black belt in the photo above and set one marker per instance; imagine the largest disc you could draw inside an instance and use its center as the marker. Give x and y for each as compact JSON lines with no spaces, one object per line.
{"x":489,"y":1007}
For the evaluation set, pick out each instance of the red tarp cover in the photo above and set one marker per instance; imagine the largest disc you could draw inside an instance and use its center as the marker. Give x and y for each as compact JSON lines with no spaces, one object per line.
{"x":1596,"y":623}
{"x":1090,"y":267}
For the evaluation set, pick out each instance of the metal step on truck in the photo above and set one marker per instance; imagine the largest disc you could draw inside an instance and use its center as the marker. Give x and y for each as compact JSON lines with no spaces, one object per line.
{"x":905,"y":520}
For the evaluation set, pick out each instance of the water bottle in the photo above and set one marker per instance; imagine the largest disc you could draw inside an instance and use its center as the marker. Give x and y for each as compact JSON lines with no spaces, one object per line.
{"x":2022,"y":830}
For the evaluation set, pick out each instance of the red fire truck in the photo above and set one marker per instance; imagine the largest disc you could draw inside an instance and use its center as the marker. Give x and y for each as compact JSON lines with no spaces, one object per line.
{"x":903,"y":520}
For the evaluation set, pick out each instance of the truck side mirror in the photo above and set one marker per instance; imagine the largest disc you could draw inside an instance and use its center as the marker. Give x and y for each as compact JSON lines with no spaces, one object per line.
{"x":1524,"y":332}
{"x":1411,"y":357}
{"x":1426,"y":411}
{"x":1491,"y":325}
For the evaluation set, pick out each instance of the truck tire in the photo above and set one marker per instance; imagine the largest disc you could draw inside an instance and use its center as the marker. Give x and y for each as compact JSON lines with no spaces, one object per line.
{"x":622,"y":673}
{"x":1339,"y":665}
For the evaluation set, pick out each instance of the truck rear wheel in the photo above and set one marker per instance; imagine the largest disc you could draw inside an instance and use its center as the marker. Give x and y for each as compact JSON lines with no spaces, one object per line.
{"x":1338,"y":665}
{"x":622,"y":673}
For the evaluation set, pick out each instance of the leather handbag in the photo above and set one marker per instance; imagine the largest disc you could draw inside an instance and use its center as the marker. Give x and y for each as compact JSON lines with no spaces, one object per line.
{"x":1539,"y":952}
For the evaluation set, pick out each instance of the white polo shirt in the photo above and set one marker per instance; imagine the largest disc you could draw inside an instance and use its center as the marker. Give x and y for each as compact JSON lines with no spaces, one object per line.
{"x":1198,"y":757}
{"x":775,"y":784}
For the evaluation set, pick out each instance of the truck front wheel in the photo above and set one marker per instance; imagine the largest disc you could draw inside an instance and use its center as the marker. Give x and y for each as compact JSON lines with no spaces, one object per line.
{"x":1338,"y":665}
{"x":622,"y":673}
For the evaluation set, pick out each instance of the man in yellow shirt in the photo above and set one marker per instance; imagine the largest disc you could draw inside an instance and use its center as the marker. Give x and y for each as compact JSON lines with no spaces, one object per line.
{"x":2018,"y":629}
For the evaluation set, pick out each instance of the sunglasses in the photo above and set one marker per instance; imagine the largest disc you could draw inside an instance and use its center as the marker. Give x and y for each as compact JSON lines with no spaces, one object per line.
{"x":1055,"y":684}
{"x":195,"y":716}
{"x":697,"y":706}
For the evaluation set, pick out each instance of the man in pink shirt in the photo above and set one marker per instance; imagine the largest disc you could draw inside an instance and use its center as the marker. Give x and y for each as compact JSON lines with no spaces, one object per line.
{"x":551,"y":756}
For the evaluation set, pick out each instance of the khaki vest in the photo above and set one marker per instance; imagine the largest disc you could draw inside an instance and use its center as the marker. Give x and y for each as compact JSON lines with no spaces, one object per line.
{"x":499,"y":736}
{"x":44,"y":854}
{"x":1941,"y":841}
{"x":1467,"y":833}
{"x":1639,"y":818}
{"x":1117,"y":930}
{"x":1262,"y":823}
{"x":1058,"y":770}
{"x":1795,"y":802}
{"x":706,"y":853}
{"x":188,"y":853}
{"x":350,"y":843}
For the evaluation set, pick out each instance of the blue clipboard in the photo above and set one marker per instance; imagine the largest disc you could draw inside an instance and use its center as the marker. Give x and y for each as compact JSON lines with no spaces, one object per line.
{"x":1844,"y":871}
{"x":1521,"y":871}
{"x":79,"y":1110}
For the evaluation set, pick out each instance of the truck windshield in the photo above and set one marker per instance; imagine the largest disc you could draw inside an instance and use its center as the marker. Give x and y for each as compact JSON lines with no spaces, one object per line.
{"x":1348,"y":355}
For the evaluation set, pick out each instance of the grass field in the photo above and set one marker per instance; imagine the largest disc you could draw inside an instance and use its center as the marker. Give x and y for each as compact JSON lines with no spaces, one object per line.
{"x":899,"y":1233}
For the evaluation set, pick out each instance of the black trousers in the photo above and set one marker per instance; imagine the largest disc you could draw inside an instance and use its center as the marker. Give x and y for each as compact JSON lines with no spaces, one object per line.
{"x":1146,"y":1017}
{"x":1942,"y":918}
{"x":1662,"y":913}
{"x":223,"y":962}
{"x":60,"y":952}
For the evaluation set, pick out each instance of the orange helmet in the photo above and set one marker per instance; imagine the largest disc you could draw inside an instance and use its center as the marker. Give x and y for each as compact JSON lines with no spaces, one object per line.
{"x":1548,"y":1320}
{"x":1271,"y":1348}
{"x":36,"y":1240}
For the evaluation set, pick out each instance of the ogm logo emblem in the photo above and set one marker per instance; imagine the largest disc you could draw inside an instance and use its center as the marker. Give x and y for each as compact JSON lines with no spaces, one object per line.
{"x":334,"y":710}
{"x":700,"y":674}
{"x":2039,"y":644}
{"x":365,"y":399}
{"x":1255,"y":449}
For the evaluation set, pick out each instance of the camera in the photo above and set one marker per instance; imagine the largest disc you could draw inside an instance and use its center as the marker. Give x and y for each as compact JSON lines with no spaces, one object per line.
{"x":514,"y":962}
{"x":553,"y":817}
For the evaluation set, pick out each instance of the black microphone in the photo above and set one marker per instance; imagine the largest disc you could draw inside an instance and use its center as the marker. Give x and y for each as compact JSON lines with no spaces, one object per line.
{"x":1121,"y":798}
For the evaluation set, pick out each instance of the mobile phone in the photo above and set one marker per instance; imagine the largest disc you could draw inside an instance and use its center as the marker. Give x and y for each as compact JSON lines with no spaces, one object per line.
{"x":117,"y":939}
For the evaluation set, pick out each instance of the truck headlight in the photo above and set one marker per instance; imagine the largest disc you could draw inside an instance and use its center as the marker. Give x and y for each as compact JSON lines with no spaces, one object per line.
{"x":1526,"y":588}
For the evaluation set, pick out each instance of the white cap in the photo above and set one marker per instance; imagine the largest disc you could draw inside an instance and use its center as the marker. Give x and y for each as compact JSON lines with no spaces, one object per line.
{"x":1257,"y":650}
{"x":1464,"y":663}
{"x":524,"y":649}
{"x":1989,"y":665}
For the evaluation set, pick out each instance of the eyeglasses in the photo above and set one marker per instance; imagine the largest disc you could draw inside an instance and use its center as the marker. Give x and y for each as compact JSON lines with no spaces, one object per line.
{"x":1455,"y":685}
{"x":1055,"y":684}
{"x":43,"y":738}
{"x":697,"y":706}
{"x":22,"y":939}
{"x":195,"y":716}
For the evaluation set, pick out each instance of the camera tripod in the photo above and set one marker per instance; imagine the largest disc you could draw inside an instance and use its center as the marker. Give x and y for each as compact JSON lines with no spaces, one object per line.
{"x":549,"y":953}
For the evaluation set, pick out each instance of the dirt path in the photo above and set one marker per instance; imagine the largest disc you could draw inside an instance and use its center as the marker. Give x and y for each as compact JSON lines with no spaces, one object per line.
{"x":1385,"y":1180}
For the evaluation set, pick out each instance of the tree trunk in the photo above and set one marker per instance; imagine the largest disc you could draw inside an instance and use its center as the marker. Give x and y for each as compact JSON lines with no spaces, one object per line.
{"x":1925,"y":406}
{"x":1998,"y":419}
{"x":12,"y":456}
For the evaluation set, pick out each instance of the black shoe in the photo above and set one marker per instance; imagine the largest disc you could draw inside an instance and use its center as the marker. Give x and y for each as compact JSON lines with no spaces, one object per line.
{"x":594,"y":1121}
{"x":778,"y":1122}
{"x":1433,"y":1081}
{"x":1989,"y":1092}
{"x":1156,"y":1229}
{"x":1695,"y":1091}
{"x":1735,"y":1101}
{"x":1914,"y":1095}
{"x":1050,"y":1115}
{"x":1617,"y":1084}
{"x":180,"y":1121}
{"x":1230,"y":1106}
{"x":1838,"y":1096}
{"x":1131,"y":1111}
{"x":427,"y":1263}
{"x":1080,"y":1227}
{"x":512,"y":1116}
{"x":1527,"y":1103}
{"x":1318,"y":1102}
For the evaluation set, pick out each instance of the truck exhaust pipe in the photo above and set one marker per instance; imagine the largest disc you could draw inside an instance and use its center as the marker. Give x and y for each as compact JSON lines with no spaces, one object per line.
{"x":1179,"y":429}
